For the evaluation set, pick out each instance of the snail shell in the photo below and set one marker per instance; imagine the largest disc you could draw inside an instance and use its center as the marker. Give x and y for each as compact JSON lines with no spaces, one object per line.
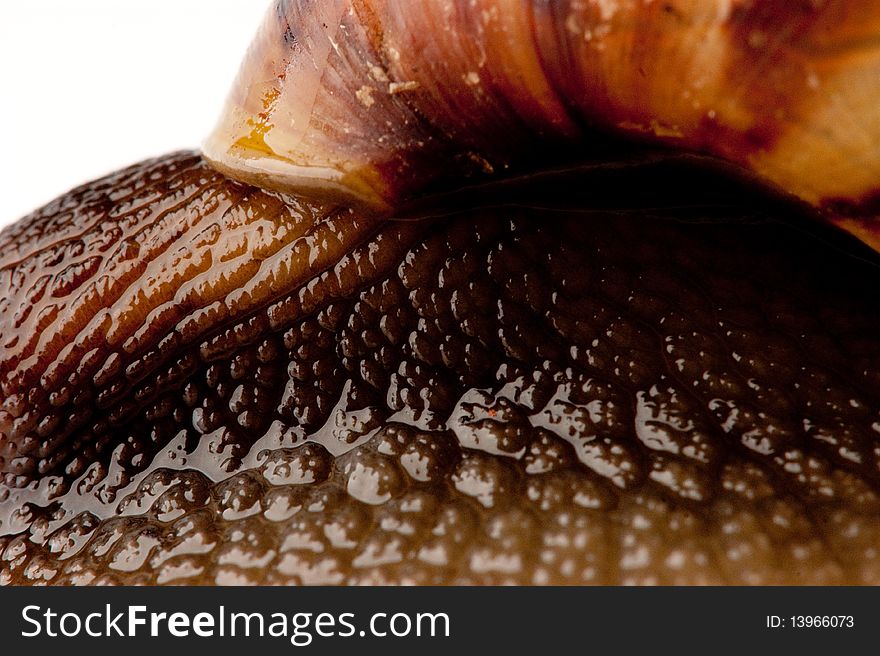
{"x":379,"y":101}
{"x":243,"y":368}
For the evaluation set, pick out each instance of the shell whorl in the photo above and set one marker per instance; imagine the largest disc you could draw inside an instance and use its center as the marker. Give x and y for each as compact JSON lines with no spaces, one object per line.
{"x":381,"y":101}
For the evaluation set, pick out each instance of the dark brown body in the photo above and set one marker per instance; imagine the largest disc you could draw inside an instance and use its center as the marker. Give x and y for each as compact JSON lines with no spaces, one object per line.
{"x":203,"y":382}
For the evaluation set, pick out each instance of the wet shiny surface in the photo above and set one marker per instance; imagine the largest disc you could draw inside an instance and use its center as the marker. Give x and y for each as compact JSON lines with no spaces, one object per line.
{"x":382,"y":103}
{"x":502,"y":395}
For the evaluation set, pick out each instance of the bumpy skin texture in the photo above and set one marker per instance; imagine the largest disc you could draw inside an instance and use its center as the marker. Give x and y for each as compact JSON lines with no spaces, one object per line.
{"x":207,"y":383}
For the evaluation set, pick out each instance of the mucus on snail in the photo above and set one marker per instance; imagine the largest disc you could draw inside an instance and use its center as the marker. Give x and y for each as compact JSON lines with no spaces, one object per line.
{"x":257,"y":346}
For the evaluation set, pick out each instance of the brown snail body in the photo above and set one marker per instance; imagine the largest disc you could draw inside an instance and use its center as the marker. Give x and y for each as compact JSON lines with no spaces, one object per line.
{"x":208,"y":381}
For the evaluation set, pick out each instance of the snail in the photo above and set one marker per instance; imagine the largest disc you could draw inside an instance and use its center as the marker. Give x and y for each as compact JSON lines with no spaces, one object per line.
{"x":481,"y":292}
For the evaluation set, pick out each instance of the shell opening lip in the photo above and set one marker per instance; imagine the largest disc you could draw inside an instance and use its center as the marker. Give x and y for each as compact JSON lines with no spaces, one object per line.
{"x":277,"y":174}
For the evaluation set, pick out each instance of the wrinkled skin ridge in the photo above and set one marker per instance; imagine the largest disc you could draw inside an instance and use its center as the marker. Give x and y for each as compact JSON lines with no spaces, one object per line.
{"x":504,"y":395}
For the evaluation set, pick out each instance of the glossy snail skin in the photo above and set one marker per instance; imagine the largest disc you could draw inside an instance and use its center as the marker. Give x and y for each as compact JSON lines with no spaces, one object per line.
{"x":555,"y":380}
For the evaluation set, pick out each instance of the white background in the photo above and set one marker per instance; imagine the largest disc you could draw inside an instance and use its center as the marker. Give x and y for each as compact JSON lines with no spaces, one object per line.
{"x":90,"y":86}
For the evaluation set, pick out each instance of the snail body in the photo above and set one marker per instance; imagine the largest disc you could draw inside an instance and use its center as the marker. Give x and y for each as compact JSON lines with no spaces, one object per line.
{"x":245,"y":367}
